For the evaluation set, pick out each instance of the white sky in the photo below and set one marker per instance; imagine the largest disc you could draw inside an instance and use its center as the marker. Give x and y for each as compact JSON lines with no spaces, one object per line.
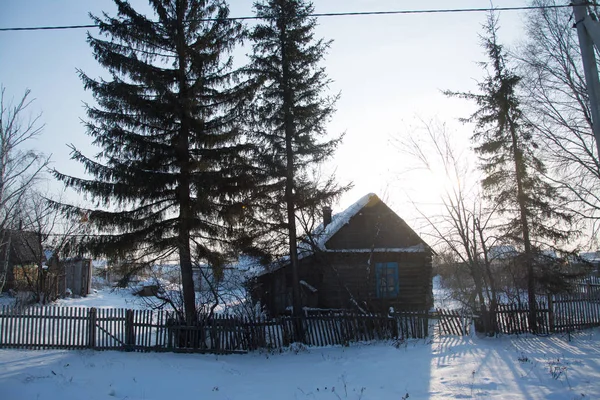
{"x":389,"y":69}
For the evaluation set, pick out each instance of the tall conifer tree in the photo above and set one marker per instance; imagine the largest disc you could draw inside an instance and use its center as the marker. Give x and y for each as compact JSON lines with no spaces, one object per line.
{"x":513,"y":172}
{"x":290,"y":115}
{"x":171,"y":171}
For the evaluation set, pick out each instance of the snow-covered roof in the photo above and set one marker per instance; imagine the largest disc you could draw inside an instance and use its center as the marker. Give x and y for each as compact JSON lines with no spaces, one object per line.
{"x":549,"y":253}
{"x":99,"y":263}
{"x":591,"y":257}
{"x":321,"y":235}
{"x":502,"y":252}
{"x":248,"y":266}
{"x":48,"y":254}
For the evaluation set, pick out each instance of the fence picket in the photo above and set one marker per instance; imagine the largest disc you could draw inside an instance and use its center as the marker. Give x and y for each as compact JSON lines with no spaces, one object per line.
{"x":12,"y":320}
{"x":21,"y":327}
{"x":78,"y":327}
{"x":22,"y":322}
{"x":32,"y":327}
{"x":70,"y":321}
{"x":312,"y":326}
{"x":25,"y":325}
{"x":325,"y":331}
{"x":3,"y":325}
{"x":76,"y":324}
{"x":62,"y":329}
{"x":45,"y":328}
{"x":331,"y":330}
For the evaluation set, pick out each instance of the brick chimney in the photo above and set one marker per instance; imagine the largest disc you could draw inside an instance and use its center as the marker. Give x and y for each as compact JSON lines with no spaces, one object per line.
{"x":326,"y":216}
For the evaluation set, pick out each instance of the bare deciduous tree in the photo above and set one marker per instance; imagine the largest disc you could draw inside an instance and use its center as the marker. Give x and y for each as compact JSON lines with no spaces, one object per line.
{"x":557,"y":106}
{"x":464,"y":227}
{"x":19,"y":167}
{"x":56,"y":236}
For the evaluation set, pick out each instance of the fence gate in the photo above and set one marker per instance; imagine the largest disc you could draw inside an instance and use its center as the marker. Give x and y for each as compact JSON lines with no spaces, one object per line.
{"x":107,"y":328}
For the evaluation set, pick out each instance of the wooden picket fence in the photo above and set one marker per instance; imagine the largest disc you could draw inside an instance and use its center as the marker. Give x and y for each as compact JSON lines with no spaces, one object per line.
{"x":453,"y":322}
{"x":146,"y":330}
{"x":589,"y":286}
{"x":80,"y":328}
{"x":559,"y":313}
{"x":512,"y":319}
{"x":413,"y":324}
{"x":574,"y":311}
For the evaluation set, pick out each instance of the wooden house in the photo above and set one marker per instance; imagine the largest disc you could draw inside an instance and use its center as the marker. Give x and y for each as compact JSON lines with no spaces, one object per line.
{"x":17,"y":248}
{"x":365,"y":259}
{"x":22,"y":256}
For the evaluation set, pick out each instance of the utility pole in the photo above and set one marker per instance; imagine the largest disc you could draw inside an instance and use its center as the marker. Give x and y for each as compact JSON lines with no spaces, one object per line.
{"x":588,"y":32}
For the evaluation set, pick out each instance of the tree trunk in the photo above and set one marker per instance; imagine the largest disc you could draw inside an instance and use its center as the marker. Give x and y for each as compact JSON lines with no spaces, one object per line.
{"x":490,"y":282}
{"x":4,"y":272}
{"x":525,"y":231}
{"x":289,"y":184}
{"x":185,"y":213}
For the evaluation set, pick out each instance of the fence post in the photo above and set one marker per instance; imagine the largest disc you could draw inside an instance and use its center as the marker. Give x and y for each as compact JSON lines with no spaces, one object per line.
{"x":299,"y":333}
{"x":170,"y":326}
{"x":550,"y":314}
{"x":129,"y":330}
{"x":92,"y":321}
{"x":395,"y":334}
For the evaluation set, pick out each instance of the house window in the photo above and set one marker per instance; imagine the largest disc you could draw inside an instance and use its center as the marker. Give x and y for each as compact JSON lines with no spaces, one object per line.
{"x":387,"y":279}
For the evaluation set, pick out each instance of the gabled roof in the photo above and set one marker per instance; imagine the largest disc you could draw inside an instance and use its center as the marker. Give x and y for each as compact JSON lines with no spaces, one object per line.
{"x":320,"y":236}
{"x":24,"y":246}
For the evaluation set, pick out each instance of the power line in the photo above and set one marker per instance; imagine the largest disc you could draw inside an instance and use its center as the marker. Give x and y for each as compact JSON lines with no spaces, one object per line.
{"x":318,"y":15}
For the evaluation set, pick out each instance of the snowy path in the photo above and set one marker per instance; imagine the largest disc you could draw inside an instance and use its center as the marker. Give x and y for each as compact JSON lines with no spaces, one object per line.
{"x":448,"y":368}
{"x":106,"y":298}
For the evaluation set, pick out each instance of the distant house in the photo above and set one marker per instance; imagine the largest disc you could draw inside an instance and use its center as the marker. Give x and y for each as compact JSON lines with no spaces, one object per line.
{"x":499,"y":254}
{"x":364,"y":259}
{"x":21,"y":254}
{"x":592,"y":261}
{"x":17,"y":248}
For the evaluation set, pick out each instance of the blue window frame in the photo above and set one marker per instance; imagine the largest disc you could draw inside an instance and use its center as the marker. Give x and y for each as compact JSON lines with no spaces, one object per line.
{"x":386,"y":275}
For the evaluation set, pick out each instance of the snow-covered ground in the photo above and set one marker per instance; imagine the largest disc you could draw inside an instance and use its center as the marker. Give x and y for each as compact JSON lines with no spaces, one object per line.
{"x":101,"y":298}
{"x":526,"y":367}
{"x":124,"y":298}
{"x":442,"y":297}
{"x":6,"y":300}
{"x":106,"y":298}
{"x":446,"y":368}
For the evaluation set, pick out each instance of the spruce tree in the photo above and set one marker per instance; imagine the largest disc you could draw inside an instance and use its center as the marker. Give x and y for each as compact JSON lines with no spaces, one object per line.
{"x":289,"y":117}
{"x":514,"y":174}
{"x":171,"y":172}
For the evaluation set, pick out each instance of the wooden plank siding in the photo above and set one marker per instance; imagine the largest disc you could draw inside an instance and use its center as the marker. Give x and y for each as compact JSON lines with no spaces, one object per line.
{"x":354,"y":274}
{"x":348,"y":281}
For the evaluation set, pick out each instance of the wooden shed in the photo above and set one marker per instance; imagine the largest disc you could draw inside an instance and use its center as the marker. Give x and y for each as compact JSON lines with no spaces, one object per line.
{"x":365,"y":259}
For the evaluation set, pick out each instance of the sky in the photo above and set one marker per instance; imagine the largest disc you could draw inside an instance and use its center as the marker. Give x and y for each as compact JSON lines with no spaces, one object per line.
{"x":388,"y":70}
